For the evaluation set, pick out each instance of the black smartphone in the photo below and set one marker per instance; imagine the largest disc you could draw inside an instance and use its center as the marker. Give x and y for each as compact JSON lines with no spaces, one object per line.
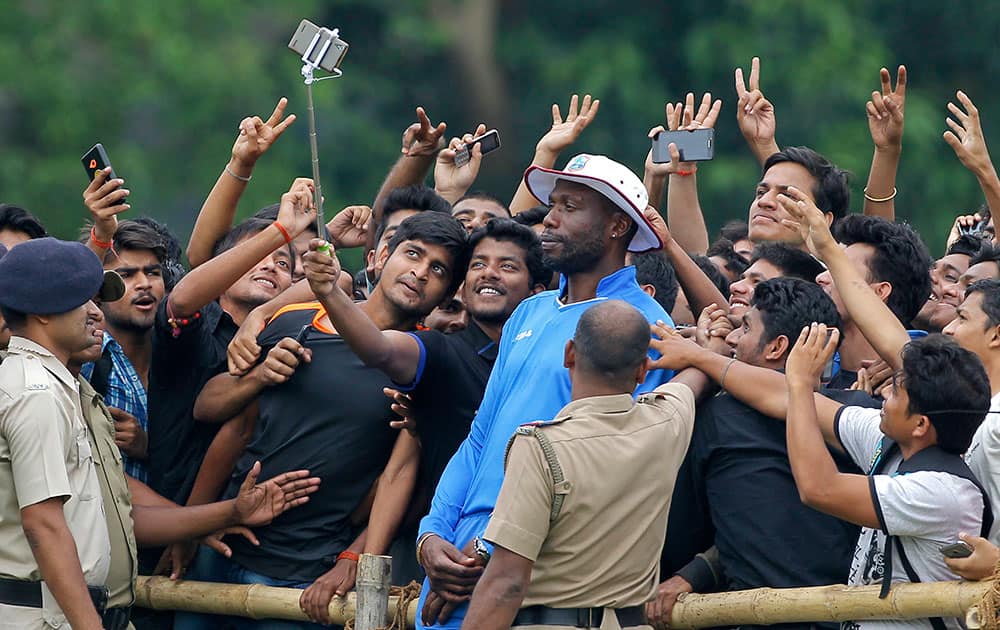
{"x":697,"y":145}
{"x":95,"y":160}
{"x":976,"y":229}
{"x":488,"y":142}
{"x":956,"y":550}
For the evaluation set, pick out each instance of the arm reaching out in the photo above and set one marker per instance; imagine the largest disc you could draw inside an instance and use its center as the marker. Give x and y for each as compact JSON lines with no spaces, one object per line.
{"x":755,"y":114}
{"x":562,"y":134}
{"x":216,"y":216}
{"x":452,"y":181}
{"x":967,"y":140}
{"x":885,"y":121}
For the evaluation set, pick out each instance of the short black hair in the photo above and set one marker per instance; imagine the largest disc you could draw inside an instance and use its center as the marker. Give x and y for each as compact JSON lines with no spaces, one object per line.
{"x":20,"y":220}
{"x":787,"y":305}
{"x":832,"y":191}
{"x":482,"y":196}
{"x":988,"y":252}
{"x":654,"y":269}
{"x":900,"y":258}
{"x":735,"y":230}
{"x":948,"y":384}
{"x":415,"y":197}
{"x":990,"y":290}
{"x":242,"y":231}
{"x":723,"y":248}
{"x":611,"y":340}
{"x":173,"y":269}
{"x":437,"y":228}
{"x":966,"y":245}
{"x":524,"y":237}
{"x":532,"y":216}
{"x":708,"y":267}
{"x":134,"y":235}
{"x":793,"y":262}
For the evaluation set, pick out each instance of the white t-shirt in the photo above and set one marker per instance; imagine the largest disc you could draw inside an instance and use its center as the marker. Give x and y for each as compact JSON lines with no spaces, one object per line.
{"x":925,"y":509}
{"x":983,"y":458}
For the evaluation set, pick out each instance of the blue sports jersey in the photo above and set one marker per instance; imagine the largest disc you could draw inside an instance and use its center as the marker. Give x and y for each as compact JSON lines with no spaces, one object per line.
{"x":528,"y":383}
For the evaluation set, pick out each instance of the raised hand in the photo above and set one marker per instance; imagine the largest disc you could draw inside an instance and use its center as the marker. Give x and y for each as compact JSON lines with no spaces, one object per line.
{"x":322,"y":268}
{"x":296,"y":212}
{"x":349,"y":228}
{"x":809,"y":356}
{"x":754,"y":113}
{"x":808,"y":220}
{"x":105,"y":199}
{"x":683,"y":117}
{"x":885,"y":111}
{"x":565,"y":132}
{"x":966,"y":136}
{"x":712,"y":329}
{"x":256,"y":136}
{"x":450,"y":180}
{"x":260,"y":503}
{"x":422,"y":138}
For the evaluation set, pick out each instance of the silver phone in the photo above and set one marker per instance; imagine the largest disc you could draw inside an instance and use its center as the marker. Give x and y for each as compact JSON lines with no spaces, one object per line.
{"x":332,"y":55}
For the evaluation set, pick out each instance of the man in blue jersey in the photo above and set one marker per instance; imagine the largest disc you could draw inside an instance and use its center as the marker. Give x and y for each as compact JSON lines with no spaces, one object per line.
{"x":595,"y":215}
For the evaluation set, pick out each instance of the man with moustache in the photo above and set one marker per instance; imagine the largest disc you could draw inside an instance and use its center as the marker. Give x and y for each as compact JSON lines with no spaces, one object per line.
{"x":121,"y":374}
{"x":54,"y":544}
{"x":595,"y":216}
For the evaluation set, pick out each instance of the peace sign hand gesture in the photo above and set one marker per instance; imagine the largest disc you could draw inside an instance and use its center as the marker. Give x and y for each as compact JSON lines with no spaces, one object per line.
{"x":257,"y":136}
{"x":754,"y":113}
{"x":885,"y":111}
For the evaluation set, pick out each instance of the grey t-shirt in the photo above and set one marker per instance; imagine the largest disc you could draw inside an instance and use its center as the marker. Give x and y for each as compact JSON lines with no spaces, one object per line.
{"x":925,"y":509}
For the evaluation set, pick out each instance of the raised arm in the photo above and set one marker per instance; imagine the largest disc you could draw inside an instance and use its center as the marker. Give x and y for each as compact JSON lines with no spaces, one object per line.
{"x":755,"y":114}
{"x":562,"y":134}
{"x":683,"y":209}
{"x":210,"y":280}
{"x":885,"y":121}
{"x":395,"y":353}
{"x":421,"y":142}
{"x":452,"y":181}
{"x":877,"y":323}
{"x":821,"y":485}
{"x":967,"y":140}
{"x":105,"y":199}
{"x":216,"y":216}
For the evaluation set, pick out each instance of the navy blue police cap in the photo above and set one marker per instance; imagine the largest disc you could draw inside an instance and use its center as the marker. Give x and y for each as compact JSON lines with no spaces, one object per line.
{"x":48,"y":276}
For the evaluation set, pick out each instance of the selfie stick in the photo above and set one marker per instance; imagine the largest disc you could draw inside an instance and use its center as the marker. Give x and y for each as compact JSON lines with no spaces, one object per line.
{"x":308,"y":67}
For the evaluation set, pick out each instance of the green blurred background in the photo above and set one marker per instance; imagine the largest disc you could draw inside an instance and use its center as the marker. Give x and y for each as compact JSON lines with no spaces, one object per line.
{"x":164,"y":85}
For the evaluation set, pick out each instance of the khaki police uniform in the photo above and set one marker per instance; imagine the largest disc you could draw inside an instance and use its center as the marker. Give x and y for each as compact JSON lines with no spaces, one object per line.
{"x":45,"y":452}
{"x":116,"y":496}
{"x":619,"y":460}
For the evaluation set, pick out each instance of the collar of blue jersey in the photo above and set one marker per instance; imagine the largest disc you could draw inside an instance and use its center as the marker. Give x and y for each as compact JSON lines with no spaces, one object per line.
{"x":612,"y":285}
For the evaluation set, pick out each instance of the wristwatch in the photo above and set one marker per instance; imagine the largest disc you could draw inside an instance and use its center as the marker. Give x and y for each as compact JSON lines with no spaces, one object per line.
{"x":481,"y":550}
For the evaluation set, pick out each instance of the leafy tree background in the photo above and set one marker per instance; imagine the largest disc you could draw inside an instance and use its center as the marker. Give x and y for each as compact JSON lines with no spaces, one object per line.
{"x":164,"y":85}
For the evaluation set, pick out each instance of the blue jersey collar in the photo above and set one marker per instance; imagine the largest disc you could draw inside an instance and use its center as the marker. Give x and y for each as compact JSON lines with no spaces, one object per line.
{"x":610,"y":285}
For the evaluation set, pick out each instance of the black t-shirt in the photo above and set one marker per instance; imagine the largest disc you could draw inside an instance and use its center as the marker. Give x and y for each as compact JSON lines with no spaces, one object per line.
{"x":181,"y":365}
{"x":447,"y":392}
{"x":331,"y":418}
{"x":737,"y":489}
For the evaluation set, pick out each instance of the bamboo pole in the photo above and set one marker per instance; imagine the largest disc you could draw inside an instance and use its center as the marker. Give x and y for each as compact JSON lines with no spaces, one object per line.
{"x":373,"y":592}
{"x":763,"y":606}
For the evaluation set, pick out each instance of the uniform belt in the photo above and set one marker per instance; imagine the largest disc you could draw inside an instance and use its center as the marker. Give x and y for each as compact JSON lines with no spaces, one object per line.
{"x":577,"y":617}
{"x":29,"y":595}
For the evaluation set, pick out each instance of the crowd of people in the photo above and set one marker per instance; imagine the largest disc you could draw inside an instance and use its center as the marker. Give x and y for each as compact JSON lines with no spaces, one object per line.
{"x":565,"y":411}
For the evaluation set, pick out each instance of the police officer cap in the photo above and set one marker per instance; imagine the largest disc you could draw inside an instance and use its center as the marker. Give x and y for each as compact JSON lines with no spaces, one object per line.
{"x":48,"y":276}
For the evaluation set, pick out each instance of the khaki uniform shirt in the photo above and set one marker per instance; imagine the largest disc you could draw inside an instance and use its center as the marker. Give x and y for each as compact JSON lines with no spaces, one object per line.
{"x":45,"y":452}
{"x":620,"y":460}
{"x":115,"y":493}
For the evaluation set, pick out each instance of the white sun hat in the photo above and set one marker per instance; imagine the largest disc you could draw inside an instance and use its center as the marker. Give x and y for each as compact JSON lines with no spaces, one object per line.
{"x":613,"y":180}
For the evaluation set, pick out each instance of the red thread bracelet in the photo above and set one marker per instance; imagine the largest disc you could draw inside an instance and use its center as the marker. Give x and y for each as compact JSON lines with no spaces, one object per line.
{"x":284,"y":232}
{"x":97,"y":241}
{"x":348,"y":555}
{"x":686,"y":173}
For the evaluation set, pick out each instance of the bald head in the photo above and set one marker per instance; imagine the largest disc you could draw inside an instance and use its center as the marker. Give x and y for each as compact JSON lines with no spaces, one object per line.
{"x":611,"y":341}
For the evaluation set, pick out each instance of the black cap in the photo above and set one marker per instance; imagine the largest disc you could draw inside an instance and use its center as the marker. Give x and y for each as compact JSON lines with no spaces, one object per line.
{"x":49,"y":276}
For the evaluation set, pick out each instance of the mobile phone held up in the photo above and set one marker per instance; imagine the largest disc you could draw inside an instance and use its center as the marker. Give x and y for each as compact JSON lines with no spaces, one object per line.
{"x":489,"y":141}
{"x":95,"y":160}
{"x":697,"y":145}
{"x":326,"y":51}
{"x":956,"y":550}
